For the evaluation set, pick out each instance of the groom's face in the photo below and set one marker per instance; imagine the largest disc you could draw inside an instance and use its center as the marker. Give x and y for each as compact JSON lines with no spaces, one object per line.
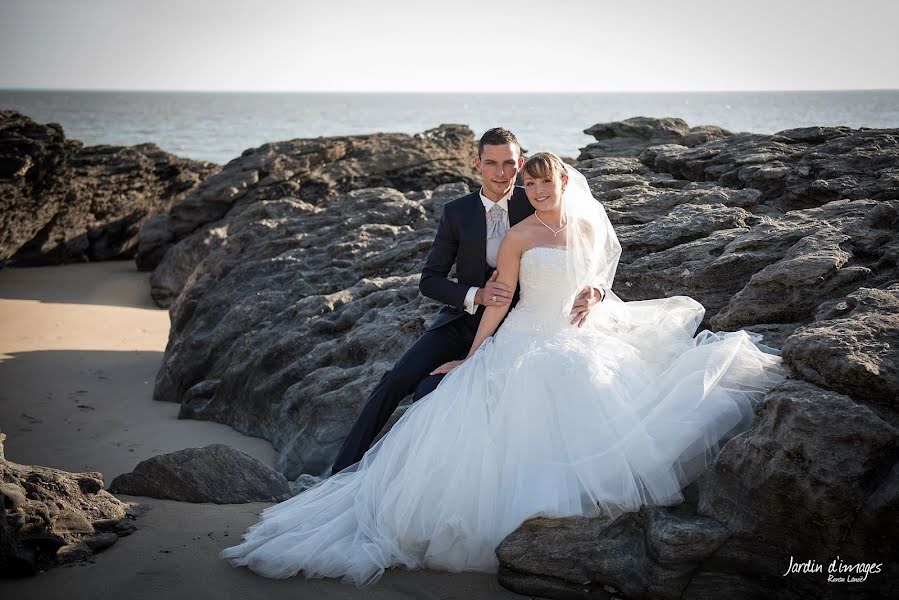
{"x":498,"y":166}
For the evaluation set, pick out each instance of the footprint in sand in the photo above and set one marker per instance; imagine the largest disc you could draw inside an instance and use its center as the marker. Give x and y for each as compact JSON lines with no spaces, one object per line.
{"x":98,"y":373}
{"x":31,"y":419}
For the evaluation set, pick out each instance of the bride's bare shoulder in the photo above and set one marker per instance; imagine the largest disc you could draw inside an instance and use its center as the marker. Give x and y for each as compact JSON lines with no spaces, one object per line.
{"x":524,"y":223}
{"x":526,"y":230}
{"x":525,"y":226}
{"x":520,"y":238}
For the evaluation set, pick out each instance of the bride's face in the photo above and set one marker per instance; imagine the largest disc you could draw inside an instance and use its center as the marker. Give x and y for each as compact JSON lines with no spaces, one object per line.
{"x":545,"y":193}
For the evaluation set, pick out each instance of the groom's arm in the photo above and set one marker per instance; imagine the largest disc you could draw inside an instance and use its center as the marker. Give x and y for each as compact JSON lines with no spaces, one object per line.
{"x":435,"y":282}
{"x":599,"y":288}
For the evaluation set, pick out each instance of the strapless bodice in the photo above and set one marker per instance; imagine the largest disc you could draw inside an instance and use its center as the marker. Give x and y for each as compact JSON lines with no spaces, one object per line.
{"x":544,"y":291}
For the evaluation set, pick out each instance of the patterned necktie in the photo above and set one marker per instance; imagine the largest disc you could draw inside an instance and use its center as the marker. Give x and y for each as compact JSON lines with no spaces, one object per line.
{"x":496,"y":231}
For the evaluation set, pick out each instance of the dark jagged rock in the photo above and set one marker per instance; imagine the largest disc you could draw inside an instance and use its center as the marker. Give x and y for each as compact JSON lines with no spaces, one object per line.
{"x":285,"y":326}
{"x":216,"y":473}
{"x":853,"y":347}
{"x":651,"y":553}
{"x":49,"y":516}
{"x":34,"y":178}
{"x":682,"y":224}
{"x":796,"y":168}
{"x":632,"y":136}
{"x":62,"y":202}
{"x":795,"y":485}
{"x":316,"y":171}
{"x":760,"y":266}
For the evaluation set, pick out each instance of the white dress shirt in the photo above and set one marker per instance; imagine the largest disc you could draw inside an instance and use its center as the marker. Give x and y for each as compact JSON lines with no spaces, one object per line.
{"x":470,"y":308}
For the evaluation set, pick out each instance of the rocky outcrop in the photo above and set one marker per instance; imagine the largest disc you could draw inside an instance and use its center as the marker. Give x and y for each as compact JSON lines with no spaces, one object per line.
{"x":63,"y":202}
{"x":34,"y":176}
{"x":298,"y":313}
{"x":49,"y":516}
{"x":751,"y":255}
{"x":795,"y":236}
{"x":216,"y":473}
{"x":853,"y":347}
{"x":316,"y":171}
{"x":632,"y":136}
{"x":795,"y":168}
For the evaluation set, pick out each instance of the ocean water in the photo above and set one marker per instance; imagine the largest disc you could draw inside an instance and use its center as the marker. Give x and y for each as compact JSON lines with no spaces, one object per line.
{"x":219,"y":126}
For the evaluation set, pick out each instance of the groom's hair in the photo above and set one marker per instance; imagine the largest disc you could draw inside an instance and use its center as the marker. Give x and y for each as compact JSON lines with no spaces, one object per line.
{"x":498,"y":136}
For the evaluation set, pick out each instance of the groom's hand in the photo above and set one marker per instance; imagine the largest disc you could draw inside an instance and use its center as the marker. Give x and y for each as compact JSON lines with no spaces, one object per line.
{"x":493,"y":293}
{"x":587,"y":299}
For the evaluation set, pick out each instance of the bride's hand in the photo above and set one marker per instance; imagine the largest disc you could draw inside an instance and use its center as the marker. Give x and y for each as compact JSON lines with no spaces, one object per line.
{"x":447,"y":367}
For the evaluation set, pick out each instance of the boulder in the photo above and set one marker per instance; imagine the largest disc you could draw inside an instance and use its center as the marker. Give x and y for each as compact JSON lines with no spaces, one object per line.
{"x":216,"y":473}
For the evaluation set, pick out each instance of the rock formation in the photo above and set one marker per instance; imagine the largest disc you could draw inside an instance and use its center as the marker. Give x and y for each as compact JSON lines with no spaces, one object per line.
{"x":49,"y":516}
{"x":62,"y":202}
{"x":298,"y":313}
{"x":34,"y":175}
{"x":631,"y":136}
{"x":315,"y":171}
{"x":853,"y":347}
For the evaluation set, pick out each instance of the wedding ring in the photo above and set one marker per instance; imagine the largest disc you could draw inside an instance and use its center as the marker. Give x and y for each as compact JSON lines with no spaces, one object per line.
{"x":494,"y":298}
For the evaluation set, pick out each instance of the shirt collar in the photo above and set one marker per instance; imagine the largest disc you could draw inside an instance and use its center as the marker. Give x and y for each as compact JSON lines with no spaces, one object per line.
{"x":503,"y":202}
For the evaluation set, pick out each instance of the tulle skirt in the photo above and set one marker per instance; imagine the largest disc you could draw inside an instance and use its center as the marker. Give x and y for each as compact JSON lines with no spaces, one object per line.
{"x":554,"y":421}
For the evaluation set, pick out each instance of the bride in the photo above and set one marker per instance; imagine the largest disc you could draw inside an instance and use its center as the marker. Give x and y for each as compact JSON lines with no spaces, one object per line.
{"x":543,"y":418}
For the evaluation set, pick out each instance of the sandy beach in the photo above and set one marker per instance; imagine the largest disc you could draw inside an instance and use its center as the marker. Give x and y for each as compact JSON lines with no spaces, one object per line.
{"x":80,"y":346}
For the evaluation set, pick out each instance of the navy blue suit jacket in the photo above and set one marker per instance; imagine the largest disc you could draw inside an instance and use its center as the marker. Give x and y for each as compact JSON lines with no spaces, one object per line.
{"x":461,"y":239}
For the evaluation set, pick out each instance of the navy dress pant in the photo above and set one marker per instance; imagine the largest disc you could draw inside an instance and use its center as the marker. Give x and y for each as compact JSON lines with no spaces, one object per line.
{"x":410,"y":375}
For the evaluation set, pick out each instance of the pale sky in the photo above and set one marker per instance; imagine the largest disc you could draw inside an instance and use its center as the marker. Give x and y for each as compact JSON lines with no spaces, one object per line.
{"x":450,"y":46}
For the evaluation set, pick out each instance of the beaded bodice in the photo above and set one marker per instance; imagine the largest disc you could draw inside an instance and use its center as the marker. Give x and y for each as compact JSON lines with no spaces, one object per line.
{"x":544,"y":291}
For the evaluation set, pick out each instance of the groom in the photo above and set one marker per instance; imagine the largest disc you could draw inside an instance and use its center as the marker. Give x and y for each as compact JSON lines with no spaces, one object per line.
{"x":469,"y":235}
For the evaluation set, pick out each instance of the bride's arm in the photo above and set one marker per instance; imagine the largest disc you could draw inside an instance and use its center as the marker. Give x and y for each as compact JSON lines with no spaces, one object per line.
{"x":508,"y":260}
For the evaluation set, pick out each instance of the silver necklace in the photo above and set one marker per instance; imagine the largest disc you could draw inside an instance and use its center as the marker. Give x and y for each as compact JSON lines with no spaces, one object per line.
{"x":555,"y":233}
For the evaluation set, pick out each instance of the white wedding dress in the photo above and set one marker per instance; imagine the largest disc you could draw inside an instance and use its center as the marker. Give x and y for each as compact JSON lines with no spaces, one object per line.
{"x":546,"y":419}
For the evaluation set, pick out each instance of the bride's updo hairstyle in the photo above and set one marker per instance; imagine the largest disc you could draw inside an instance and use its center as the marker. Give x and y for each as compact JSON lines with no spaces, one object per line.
{"x":545,"y":164}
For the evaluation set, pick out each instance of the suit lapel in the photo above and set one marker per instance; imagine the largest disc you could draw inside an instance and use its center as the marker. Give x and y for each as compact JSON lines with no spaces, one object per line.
{"x":477,"y":224}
